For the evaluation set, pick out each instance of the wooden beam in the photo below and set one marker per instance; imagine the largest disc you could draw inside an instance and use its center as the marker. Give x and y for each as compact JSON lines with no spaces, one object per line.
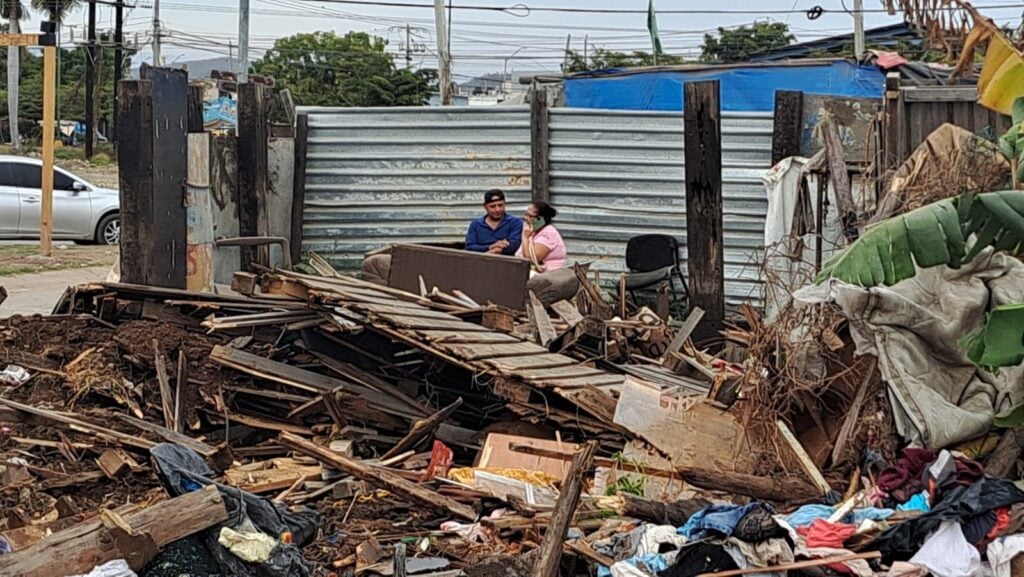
{"x":379,"y":476}
{"x":135,"y":176}
{"x":684,"y":332}
{"x":195,"y":109}
{"x":219,"y":457}
{"x":253,"y":219}
{"x":565,"y":508}
{"x":299,"y":184}
{"x":80,"y":548}
{"x":702,"y":147}
{"x":853,"y":413}
{"x":49,"y":133}
{"x":806,"y":463}
{"x":847,"y":211}
{"x":540,"y":176}
{"x":787,"y":131}
{"x":76,"y":424}
{"x":166,"y":397}
{"x":421,"y":428}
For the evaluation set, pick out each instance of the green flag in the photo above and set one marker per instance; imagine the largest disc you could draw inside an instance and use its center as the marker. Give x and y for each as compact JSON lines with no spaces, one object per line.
{"x":652,"y":27}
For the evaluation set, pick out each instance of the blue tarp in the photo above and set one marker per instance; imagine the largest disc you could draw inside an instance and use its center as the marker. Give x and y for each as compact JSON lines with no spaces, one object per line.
{"x":749,"y":88}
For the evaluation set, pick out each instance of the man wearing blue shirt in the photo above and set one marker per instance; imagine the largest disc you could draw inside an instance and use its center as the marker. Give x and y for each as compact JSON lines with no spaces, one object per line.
{"x":495,"y":232}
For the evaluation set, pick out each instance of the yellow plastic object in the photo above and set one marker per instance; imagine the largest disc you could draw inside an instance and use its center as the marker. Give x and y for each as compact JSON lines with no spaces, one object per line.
{"x":466,"y":476}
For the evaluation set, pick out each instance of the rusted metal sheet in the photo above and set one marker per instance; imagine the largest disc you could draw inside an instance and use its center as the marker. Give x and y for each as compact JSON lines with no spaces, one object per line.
{"x":376,"y":176}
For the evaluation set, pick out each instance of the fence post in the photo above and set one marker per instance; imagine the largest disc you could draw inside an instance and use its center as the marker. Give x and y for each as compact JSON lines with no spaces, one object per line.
{"x":252,"y":170}
{"x":299,"y":184}
{"x":135,"y":173}
{"x":195,"y":109}
{"x":787,"y":128}
{"x":702,"y":147}
{"x":540,"y":175}
{"x":893,"y":125}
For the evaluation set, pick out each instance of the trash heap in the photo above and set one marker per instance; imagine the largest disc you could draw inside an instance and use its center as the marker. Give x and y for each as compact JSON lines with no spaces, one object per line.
{"x":323,"y":425}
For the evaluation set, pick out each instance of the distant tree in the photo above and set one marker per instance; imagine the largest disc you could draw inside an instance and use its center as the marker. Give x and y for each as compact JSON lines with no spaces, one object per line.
{"x":738,"y":44}
{"x":13,"y":11}
{"x":324,"y":69}
{"x":602,"y":59}
{"x":56,"y":10}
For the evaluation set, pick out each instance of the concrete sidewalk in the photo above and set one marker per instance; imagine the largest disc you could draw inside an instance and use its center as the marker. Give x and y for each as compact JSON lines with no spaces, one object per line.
{"x":37,"y":293}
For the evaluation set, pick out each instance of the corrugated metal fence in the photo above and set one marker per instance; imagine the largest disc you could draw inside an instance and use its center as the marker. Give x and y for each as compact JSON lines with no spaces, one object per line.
{"x":376,"y":176}
{"x":618,"y":174}
{"x":380,"y":175}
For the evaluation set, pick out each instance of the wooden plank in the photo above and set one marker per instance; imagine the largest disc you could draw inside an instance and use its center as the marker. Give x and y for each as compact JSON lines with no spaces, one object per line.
{"x":220,"y":457}
{"x":540,"y":172}
{"x":76,"y":424}
{"x":421,"y":428}
{"x":604,"y":380}
{"x":26,"y":40}
{"x":568,"y":313}
{"x":787,"y":131}
{"x":943,"y":94}
{"x":380,"y":477}
{"x":806,"y":463}
{"x":389,"y":312}
{"x":567,"y":372}
{"x":684,"y":332}
{"x":545,"y":361}
{"x":418,"y":323}
{"x":78,"y":549}
{"x":565,"y":510}
{"x":457,"y":337}
{"x":847,"y":210}
{"x":166,"y":397}
{"x":702,"y":149}
{"x":541,"y":321}
{"x":853,"y":413}
{"x":474,"y":352}
{"x":274,"y":371}
{"x":299,"y":184}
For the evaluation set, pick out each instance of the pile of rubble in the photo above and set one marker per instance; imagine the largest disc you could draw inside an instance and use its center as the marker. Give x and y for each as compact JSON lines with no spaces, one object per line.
{"x":323,"y":425}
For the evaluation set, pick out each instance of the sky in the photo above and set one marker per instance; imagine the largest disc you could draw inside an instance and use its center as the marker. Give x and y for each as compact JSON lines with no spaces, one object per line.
{"x":523,"y":38}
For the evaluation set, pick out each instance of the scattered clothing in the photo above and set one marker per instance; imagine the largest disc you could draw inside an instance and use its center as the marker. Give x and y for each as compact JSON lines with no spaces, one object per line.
{"x":962,"y":504}
{"x":947,"y":553}
{"x":821,"y":533}
{"x":910,"y":474}
{"x":248,"y":543}
{"x":655,"y":539}
{"x":1002,"y":552}
{"x":807,"y":514}
{"x":758,"y":525}
{"x":644,"y":566}
{"x":761,"y":554}
{"x":698,"y":558}
{"x":918,"y":502}
{"x":115,"y":568}
{"x":718,"y":520}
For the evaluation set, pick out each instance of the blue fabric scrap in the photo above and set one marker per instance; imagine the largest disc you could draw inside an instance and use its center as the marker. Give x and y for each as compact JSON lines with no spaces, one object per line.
{"x":719,"y":519}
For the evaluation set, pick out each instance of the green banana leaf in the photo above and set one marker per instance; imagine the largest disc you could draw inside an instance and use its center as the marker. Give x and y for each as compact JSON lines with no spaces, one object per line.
{"x":949,"y":232}
{"x":1000,"y":341}
{"x":1018,"y":110}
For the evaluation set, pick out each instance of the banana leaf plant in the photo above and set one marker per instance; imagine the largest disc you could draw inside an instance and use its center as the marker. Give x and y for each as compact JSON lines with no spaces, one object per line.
{"x":950,"y":232}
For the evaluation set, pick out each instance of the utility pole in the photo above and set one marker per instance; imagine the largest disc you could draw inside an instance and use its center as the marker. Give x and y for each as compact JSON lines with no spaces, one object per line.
{"x":118,"y":61}
{"x":586,"y":51}
{"x":90,"y":81}
{"x":408,"y":46}
{"x":156,"y":33}
{"x":242,"y":71}
{"x":858,"y":29}
{"x":565,"y":61}
{"x":444,"y":61}
{"x":231,"y":55}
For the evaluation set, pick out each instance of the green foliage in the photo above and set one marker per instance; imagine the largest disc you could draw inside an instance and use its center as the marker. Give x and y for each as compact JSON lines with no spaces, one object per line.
{"x":1012,"y":143}
{"x":101,"y":159}
{"x":71,"y":89}
{"x":55,"y":10}
{"x":12,"y":8}
{"x":631,"y":484}
{"x":738,"y":44}
{"x":949,"y":232}
{"x":1000,"y":341}
{"x":324,"y":69}
{"x":602,"y":59}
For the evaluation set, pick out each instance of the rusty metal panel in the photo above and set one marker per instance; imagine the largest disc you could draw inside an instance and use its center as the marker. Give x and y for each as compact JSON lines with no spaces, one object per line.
{"x":617,"y":174}
{"x":376,"y":176}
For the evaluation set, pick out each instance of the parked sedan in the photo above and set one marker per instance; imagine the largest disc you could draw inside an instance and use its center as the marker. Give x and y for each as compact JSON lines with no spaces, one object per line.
{"x":82,"y":212}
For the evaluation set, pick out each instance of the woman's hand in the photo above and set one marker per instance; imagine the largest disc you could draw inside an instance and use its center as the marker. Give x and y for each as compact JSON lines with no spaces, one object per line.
{"x":527,"y":230}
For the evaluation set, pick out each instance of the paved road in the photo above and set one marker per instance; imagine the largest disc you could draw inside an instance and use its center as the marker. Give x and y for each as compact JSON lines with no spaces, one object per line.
{"x":37,"y":293}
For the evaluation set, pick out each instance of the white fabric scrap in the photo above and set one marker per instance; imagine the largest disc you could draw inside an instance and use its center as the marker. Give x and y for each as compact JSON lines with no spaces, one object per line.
{"x":947,"y":553}
{"x":648,"y":539}
{"x":1002,"y":552}
{"x":249,"y":544}
{"x":115,"y":568}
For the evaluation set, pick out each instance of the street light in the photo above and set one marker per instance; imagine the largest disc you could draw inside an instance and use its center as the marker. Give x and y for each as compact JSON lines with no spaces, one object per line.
{"x":504,"y":74}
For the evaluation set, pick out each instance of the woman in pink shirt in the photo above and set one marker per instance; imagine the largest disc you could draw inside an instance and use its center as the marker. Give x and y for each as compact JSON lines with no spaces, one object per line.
{"x":542,"y":244}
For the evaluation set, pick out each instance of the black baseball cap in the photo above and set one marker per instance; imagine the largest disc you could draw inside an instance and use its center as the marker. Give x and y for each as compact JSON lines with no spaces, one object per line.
{"x":493,"y":195}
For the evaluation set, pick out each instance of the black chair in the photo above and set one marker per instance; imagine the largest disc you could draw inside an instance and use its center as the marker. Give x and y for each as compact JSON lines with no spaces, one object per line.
{"x":653,"y":259}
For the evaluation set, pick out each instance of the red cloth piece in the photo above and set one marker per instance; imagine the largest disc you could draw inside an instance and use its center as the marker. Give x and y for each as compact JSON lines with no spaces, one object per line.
{"x":1002,"y":522}
{"x":821,"y":533}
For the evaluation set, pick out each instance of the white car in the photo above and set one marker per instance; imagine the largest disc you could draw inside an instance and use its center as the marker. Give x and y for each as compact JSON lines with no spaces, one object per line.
{"x":81,"y":212}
